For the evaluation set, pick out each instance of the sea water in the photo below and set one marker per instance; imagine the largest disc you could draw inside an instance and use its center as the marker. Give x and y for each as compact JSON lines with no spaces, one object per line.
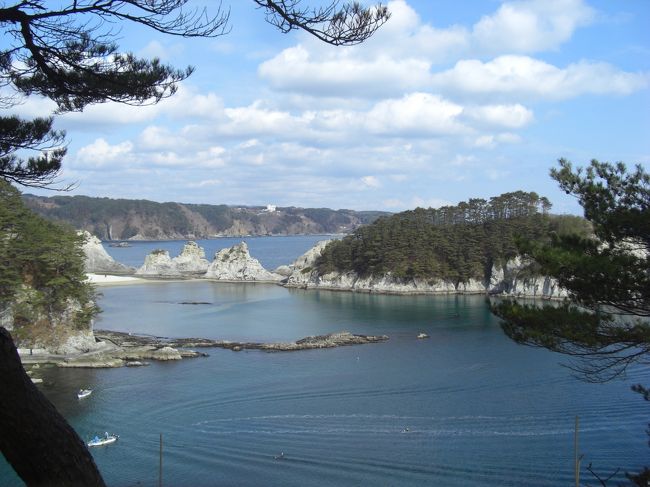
{"x":465,"y":407}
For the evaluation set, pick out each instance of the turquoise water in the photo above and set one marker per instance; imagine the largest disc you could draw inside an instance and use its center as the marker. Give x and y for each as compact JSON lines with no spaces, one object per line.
{"x":480,"y":410}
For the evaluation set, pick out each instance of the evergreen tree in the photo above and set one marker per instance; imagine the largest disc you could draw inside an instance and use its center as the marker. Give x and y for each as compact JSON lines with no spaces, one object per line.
{"x":604,"y":325}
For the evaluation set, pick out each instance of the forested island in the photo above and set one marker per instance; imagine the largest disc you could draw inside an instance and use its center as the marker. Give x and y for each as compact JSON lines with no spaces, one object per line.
{"x":468,"y":247}
{"x":122,"y":219}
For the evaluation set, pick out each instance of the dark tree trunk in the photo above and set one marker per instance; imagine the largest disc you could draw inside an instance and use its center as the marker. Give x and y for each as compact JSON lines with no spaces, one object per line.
{"x":34,"y":438}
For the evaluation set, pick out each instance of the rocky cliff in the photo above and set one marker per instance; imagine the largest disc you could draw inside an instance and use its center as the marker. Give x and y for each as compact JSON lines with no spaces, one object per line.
{"x":513,"y":279}
{"x":190,"y":262}
{"x":236,"y":264}
{"x":231,"y":264}
{"x":53,"y":331}
{"x":97,"y":259}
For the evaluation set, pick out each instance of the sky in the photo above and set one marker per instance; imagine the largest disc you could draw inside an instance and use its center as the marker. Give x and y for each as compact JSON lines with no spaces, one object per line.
{"x":448,"y":101}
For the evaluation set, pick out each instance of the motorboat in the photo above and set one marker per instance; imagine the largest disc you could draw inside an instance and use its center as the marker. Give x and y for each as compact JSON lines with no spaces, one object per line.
{"x":104,"y":440}
{"x":84,"y":393}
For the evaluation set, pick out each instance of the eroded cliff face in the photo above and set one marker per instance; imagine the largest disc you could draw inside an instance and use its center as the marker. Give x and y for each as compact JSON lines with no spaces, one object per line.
{"x":236,"y":264}
{"x":191,"y":262}
{"x":62,"y":331}
{"x":513,"y":279}
{"x":97,"y":259}
{"x":231,"y":264}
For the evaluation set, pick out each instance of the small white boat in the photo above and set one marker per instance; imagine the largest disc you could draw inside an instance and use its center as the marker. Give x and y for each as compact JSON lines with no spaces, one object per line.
{"x":422,"y":335}
{"x":105,"y":440}
{"x":84,"y":393}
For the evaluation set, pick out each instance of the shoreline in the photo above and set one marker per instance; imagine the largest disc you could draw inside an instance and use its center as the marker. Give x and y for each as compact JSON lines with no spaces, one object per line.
{"x":114,"y":280}
{"x":108,"y":279}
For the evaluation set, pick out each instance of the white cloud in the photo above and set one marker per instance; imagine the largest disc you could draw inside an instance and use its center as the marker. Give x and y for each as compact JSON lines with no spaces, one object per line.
{"x":415,"y":115}
{"x":161,"y":138}
{"x":100,"y":153}
{"x":508,"y":116}
{"x":401,"y":56}
{"x":212,"y":157}
{"x":294,"y":69}
{"x":522,"y":76}
{"x":205,"y":183}
{"x":371,"y":182}
{"x":531,"y":26}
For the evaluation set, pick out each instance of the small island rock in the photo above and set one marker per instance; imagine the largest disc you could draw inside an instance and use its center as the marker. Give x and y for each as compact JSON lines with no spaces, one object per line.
{"x":236,"y":264}
{"x":190,"y":262}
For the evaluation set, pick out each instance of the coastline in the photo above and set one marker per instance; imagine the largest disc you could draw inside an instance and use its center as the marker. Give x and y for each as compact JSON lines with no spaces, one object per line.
{"x":109,"y":279}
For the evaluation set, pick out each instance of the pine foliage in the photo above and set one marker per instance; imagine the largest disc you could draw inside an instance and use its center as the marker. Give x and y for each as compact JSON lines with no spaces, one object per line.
{"x":41,"y":270}
{"x":454,"y":243}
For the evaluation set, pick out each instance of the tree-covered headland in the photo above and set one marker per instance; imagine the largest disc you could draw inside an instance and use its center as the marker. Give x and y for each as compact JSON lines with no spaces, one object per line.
{"x":452,"y":243}
{"x":43,"y":286}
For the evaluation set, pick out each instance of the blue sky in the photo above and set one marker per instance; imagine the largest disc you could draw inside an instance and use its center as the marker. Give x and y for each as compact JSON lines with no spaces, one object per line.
{"x":448,"y":101}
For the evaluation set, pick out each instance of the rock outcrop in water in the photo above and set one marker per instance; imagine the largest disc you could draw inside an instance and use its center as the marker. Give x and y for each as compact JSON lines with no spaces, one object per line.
{"x":118,"y":349}
{"x":512,"y":279}
{"x":97,"y":259}
{"x":331,"y":340}
{"x":190,"y":262}
{"x":236,"y":264}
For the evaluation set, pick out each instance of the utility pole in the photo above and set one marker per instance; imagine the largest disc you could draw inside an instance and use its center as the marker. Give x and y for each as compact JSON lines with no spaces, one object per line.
{"x":160,"y":464}
{"x":576,"y":453}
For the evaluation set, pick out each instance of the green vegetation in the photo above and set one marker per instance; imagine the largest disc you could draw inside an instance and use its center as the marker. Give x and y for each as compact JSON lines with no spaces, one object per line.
{"x":604,"y":327}
{"x":41,"y":273}
{"x":454,"y":243}
{"x":127,"y":218}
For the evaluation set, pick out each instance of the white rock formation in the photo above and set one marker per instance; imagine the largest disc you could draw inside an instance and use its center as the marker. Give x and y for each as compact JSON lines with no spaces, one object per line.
{"x":236,"y":264}
{"x":512,"y":279}
{"x":190,"y":262}
{"x":97,"y":259}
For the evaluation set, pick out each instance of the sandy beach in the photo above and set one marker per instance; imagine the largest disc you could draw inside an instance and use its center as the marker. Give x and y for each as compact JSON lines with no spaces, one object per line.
{"x":107,"y":279}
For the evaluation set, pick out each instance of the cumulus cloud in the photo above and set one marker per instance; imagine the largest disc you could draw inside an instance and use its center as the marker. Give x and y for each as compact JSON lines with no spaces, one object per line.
{"x":100,"y":153}
{"x":415,"y":114}
{"x":507,"y":116}
{"x":294,"y":69}
{"x":530,"y":26}
{"x":402,"y":57}
{"x":517,"y":76}
{"x":416,"y":106}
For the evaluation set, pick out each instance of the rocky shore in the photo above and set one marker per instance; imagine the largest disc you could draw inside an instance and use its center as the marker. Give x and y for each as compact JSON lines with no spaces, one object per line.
{"x":118,"y":349}
{"x":235,"y":264}
{"x":511,"y":279}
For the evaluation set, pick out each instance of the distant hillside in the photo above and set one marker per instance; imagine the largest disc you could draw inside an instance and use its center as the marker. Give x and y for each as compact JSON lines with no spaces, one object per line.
{"x":121,"y":219}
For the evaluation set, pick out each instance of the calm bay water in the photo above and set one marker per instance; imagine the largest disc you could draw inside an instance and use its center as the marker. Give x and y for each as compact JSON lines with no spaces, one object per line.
{"x":270,"y":251}
{"x":480,"y":410}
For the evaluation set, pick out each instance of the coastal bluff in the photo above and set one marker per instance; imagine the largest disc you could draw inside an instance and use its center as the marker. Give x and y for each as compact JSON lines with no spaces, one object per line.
{"x":511,"y":279}
{"x":97,"y":260}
